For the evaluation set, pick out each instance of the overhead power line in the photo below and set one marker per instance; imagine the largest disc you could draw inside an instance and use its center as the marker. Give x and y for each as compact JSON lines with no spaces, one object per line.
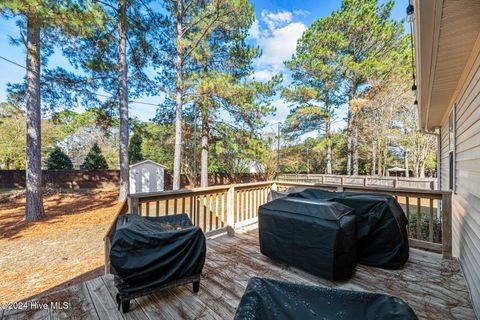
{"x":95,"y":93}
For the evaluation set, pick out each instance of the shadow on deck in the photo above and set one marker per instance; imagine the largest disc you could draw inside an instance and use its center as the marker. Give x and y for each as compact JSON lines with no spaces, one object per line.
{"x":433,"y":287}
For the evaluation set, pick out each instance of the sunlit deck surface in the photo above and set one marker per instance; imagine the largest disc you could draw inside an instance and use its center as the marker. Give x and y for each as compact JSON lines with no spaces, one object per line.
{"x":433,"y":287}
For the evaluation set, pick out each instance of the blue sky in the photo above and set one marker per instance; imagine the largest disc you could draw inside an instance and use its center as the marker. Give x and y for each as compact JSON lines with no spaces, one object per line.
{"x":278,"y":26}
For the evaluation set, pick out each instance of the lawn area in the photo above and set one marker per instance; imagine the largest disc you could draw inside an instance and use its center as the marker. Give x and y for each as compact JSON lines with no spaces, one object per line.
{"x":63,"y":249}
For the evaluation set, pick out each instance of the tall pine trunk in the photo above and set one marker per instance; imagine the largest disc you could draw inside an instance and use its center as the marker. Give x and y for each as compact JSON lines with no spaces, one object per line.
{"x":349,"y":142}
{"x":355,"y":146}
{"x":405,"y":160}
{"x":123,"y":100}
{"x":34,"y":198}
{"x":205,"y":135}
{"x":328,"y":134}
{"x":374,"y":155}
{"x":179,"y":98}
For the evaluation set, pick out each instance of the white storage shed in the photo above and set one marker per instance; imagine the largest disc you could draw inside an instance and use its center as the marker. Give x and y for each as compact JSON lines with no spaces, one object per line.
{"x":147,"y":176}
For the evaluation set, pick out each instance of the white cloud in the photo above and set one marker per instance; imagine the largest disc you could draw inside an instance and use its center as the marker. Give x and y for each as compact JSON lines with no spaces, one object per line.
{"x":254,"y":31}
{"x":276,"y":33}
{"x":276,"y":19}
{"x":282,"y":111}
{"x":263,"y":75}
{"x":280,"y":45}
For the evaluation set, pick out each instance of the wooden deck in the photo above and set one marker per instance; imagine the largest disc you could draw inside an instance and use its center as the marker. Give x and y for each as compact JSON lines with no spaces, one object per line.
{"x":433,"y":287}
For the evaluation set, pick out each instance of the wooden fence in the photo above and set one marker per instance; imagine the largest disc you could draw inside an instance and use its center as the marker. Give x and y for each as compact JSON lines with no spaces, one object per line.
{"x":365,"y":181}
{"x":222,"y":209}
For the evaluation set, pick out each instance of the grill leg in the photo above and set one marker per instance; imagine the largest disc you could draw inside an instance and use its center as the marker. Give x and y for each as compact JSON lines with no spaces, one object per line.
{"x":196,"y":286}
{"x":125,"y":306}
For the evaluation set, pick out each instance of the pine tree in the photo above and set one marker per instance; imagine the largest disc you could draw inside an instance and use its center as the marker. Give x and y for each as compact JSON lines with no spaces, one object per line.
{"x":315,"y":92}
{"x":121,"y":72}
{"x":58,"y":160}
{"x":366,"y":43}
{"x":95,"y":159}
{"x":42,"y":18}
{"x":135,"y":149}
{"x":212,"y":64}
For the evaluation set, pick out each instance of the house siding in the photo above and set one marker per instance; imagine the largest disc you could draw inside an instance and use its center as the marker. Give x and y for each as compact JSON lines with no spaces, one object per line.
{"x":466,"y":197}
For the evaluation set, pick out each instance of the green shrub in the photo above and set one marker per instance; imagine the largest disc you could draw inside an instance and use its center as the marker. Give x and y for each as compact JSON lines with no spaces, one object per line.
{"x":424,"y":227}
{"x":95,"y":159}
{"x":58,"y":160}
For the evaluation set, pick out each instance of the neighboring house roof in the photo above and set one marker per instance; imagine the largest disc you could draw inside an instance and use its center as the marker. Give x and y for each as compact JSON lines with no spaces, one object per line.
{"x":447,"y":39}
{"x":78,"y":160}
{"x":147,"y":161}
{"x":397,"y":169}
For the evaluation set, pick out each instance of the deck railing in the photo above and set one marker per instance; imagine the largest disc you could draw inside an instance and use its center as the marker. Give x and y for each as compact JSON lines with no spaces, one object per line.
{"x":365,"y":181}
{"x":222,"y":209}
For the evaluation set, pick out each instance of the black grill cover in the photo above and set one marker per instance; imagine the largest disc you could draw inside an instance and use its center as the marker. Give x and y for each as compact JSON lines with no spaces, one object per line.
{"x":271,"y":299}
{"x":381,"y":225}
{"x":148,"y":252}
{"x":316,"y":236}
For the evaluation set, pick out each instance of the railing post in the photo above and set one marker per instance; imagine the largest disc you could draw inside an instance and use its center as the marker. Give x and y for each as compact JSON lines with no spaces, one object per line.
{"x":447,"y":225}
{"x":133,"y":204}
{"x":231,"y":210}
{"x":107,"y":247}
{"x":340,"y":187}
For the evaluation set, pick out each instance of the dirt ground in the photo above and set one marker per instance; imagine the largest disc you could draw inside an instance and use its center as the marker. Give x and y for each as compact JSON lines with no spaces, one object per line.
{"x":63,"y":249}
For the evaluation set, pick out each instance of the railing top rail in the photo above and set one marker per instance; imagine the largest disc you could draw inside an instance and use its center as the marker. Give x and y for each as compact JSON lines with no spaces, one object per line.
{"x":413,"y":179}
{"x":409,"y":191}
{"x":122,"y":209}
{"x":186,"y":192}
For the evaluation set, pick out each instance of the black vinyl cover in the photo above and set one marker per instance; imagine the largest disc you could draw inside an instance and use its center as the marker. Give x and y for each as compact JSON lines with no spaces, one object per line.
{"x":313,"y":235}
{"x":148,"y":252}
{"x":271,"y":299}
{"x":382,"y":239}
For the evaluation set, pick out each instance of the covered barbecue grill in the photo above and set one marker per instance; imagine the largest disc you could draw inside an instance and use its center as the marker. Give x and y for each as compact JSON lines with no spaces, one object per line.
{"x":276,"y":300}
{"x":316,"y":236}
{"x":382,"y":239}
{"x":152,"y":253}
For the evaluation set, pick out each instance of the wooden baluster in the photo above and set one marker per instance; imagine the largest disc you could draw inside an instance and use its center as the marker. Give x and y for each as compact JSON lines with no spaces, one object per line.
{"x":216,"y":210}
{"x":147,"y":205}
{"x":175,"y":206}
{"x":140,"y":208}
{"x":430,"y":222}
{"x":210,"y":209}
{"x":157,"y":208}
{"x":204,"y":213}
{"x":237,"y":207}
{"x":166,"y":207}
{"x":183,"y":205}
{"x":245,"y":204}
{"x":191,"y":209}
{"x":419,"y":219}
{"x":407,"y":199}
{"x":231,"y":194}
{"x":224,"y":216}
{"x":251,"y":203}
{"x":255,"y":206}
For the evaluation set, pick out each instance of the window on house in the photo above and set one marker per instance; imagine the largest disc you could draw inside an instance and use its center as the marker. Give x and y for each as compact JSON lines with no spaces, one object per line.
{"x":451,"y":149}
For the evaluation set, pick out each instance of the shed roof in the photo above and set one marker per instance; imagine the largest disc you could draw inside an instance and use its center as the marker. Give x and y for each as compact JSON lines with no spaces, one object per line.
{"x":147,"y":161}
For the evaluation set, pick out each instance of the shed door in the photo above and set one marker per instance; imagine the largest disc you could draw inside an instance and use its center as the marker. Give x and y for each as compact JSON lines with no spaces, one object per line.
{"x":159,"y":182}
{"x":145,"y":181}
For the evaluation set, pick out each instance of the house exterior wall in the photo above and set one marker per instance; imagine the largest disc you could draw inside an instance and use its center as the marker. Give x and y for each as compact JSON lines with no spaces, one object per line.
{"x":466,"y":191}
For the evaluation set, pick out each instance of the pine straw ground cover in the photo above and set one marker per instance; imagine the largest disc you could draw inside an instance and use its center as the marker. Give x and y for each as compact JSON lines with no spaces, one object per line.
{"x":63,"y":249}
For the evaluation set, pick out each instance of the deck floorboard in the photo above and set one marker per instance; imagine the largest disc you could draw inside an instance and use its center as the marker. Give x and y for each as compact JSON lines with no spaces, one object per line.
{"x":433,"y":287}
